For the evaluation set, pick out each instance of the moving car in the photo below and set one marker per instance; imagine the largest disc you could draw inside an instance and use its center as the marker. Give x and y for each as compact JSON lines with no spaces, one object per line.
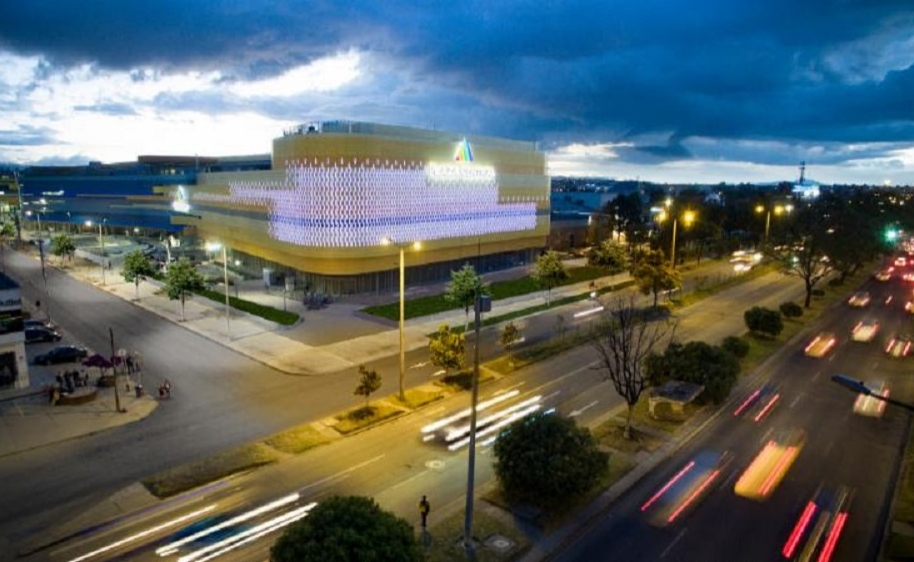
{"x":686,"y":488}
{"x":819,"y":526}
{"x":62,"y":354}
{"x":909,"y":307}
{"x":900,"y":261}
{"x":33,"y":335}
{"x":821,"y":344}
{"x":770,"y":466}
{"x":865,"y":331}
{"x":870,"y":404}
{"x":899,"y":347}
{"x":493,"y":415}
{"x":884,"y":274}
{"x":859,"y":299}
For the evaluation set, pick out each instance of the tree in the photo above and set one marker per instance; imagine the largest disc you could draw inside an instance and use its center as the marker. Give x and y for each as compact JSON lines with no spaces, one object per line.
{"x":696,"y":362}
{"x":181,"y":281}
{"x":610,"y":254}
{"x":344,"y":529}
{"x":622,"y":341}
{"x":736,"y":345}
{"x":790,"y":309}
{"x":804,"y":254}
{"x":509,"y":334}
{"x":136,"y":268}
{"x":628,"y":211}
{"x":7,"y":231}
{"x":547,"y":461}
{"x":653,"y":275}
{"x":549,"y":272}
{"x":465,"y":284}
{"x":62,"y":245}
{"x":764,"y":321}
{"x":446,"y":349}
{"x":369,"y":381}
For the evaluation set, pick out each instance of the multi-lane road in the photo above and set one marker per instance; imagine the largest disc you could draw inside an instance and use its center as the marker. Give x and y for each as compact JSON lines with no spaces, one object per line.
{"x":842,"y":456}
{"x":391,"y":462}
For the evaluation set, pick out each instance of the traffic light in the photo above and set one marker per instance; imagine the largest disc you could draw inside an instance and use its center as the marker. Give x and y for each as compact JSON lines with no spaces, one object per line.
{"x":891,"y":234}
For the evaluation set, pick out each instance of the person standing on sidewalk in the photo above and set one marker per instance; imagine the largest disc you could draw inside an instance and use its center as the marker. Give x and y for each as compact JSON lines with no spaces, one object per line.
{"x":424,"y":509}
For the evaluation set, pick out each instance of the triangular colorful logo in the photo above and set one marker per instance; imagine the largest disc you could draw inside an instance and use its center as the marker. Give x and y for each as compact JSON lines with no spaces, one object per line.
{"x":464,"y":153}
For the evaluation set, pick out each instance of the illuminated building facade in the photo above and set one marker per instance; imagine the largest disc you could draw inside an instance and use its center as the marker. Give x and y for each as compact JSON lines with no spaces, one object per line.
{"x":336,"y":190}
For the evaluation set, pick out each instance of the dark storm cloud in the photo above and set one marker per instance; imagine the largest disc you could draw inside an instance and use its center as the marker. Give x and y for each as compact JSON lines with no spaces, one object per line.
{"x":798,"y":72}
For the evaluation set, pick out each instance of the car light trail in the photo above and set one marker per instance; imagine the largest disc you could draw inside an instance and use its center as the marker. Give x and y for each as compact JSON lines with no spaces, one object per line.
{"x":747,"y":402}
{"x":171,"y":548}
{"x":695,"y":494}
{"x":146,"y":533}
{"x":767,"y":407}
{"x":434,"y":426}
{"x":833,"y":535}
{"x":588,"y":312}
{"x":774,"y":477}
{"x":791,"y":545}
{"x":463,"y":430}
{"x":231,"y":543}
{"x":496,"y":426}
{"x":668,"y":485}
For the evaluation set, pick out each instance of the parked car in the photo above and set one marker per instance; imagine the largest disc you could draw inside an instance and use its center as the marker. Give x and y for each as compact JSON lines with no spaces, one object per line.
{"x":62,"y":354}
{"x":33,"y":335}
{"x":38,"y":324}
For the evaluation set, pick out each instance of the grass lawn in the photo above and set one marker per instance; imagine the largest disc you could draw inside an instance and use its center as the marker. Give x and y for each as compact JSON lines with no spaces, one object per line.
{"x":418,"y":397}
{"x":611,"y":434}
{"x":434,"y":304}
{"x":445,"y":536}
{"x":297,"y":439}
{"x":358,"y":418}
{"x":186,"y":477}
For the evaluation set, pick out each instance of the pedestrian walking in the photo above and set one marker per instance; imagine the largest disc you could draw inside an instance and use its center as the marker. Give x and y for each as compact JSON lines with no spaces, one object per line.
{"x":424,"y":509}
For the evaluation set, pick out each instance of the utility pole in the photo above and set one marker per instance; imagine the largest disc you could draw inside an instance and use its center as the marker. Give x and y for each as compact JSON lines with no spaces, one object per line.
{"x":482,"y":303}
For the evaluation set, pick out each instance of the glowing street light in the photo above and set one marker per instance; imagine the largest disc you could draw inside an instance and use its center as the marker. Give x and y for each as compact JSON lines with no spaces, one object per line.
{"x":688,"y":218}
{"x":778,"y":210}
{"x":101,"y":243}
{"x":387,"y":241}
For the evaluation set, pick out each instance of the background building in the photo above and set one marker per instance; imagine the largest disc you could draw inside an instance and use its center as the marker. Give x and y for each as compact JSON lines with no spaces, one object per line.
{"x":336,"y":190}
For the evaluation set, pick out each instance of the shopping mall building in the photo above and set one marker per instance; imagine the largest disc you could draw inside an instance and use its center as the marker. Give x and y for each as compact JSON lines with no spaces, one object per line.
{"x":317,"y":212}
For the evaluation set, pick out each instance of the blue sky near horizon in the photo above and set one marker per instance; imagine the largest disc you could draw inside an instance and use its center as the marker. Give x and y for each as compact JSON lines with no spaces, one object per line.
{"x":677,"y":91}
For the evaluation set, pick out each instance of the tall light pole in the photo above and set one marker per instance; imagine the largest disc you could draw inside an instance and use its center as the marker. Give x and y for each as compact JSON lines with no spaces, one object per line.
{"x":215,"y":247}
{"x":688,"y":218}
{"x":101,"y":243}
{"x":481,"y":303}
{"x":778,"y":210}
{"x":387,"y":241}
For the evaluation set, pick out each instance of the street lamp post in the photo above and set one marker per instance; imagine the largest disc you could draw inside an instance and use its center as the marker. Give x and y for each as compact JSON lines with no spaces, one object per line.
{"x":688,"y":218}
{"x":387,"y":241}
{"x":215,"y":247}
{"x":778,"y":210}
{"x":101,"y":243}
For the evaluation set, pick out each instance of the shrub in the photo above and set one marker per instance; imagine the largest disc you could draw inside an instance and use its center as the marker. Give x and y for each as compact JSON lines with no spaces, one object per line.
{"x":735,"y":345}
{"x":836,"y":282}
{"x":791,"y":310}
{"x":764,"y":321}
{"x":818,"y":293}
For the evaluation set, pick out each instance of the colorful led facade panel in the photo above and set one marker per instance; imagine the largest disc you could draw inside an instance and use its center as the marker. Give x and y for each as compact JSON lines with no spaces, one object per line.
{"x":359,"y":203}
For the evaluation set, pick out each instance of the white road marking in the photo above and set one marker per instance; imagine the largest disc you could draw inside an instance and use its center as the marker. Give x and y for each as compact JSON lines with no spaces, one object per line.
{"x":582,"y":409}
{"x":672,"y":544}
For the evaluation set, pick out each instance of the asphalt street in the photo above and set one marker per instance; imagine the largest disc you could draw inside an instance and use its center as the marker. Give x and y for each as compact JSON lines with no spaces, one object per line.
{"x":842,"y":450}
{"x":396,"y":470}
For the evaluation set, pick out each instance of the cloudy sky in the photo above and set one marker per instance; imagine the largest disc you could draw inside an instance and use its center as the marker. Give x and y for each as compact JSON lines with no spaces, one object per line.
{"x":676,"y":91}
